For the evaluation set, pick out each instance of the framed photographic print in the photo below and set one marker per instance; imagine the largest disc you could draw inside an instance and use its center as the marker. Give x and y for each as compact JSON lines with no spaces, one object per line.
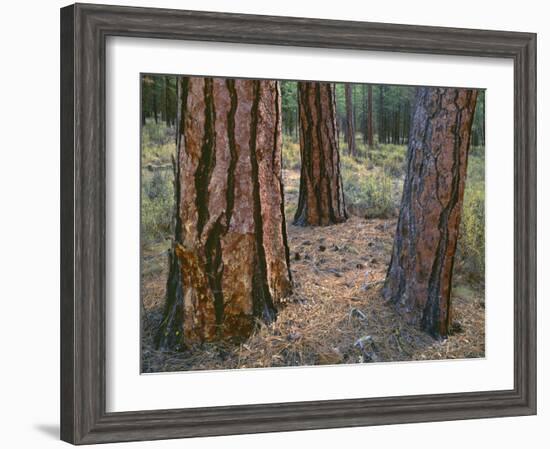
{"x":273,"y":223}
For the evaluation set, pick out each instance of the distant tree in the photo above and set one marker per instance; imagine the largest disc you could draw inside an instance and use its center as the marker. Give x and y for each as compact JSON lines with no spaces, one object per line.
{"x":166,"y":100}
{"x":363,"y":119}
{"x":229,"y":260}
{"x":177,"y":104}
{"x":289,"y":95}
{"x":159,"y":98}
{"x":350,"y":120}
{"x":146,"y":97}
{"x":381,"y":116}
{"x":478,"y":128}
{"x":369,"y":118}
{"x":321,"y":199}
{"x":155,"y":104}
{"x":419,"y":277}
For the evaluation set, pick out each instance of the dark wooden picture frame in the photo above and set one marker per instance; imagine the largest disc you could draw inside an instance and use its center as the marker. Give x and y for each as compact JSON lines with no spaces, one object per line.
{"x":84,"y":29}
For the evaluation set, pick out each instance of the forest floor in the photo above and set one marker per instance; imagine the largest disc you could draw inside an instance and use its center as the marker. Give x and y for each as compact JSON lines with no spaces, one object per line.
{"x":336,"y":313}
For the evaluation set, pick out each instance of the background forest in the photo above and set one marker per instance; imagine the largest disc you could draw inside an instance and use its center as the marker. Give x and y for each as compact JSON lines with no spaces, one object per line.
{"x":337,"y":275}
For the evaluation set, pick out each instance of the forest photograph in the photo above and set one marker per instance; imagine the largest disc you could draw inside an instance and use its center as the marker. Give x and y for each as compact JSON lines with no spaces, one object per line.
{"x":303,"y":223}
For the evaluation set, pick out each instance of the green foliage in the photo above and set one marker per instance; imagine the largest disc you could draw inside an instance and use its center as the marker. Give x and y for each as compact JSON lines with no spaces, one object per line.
{"x":391,"y":109}
{"x":289,"y":106}
{"x":391,"y":158}
{"x":157,"y":139}
{"x":157,"y":206}
{"x":291,"y":154}
{"x":158,"y":98}
{"x":368,"y":192}
{"x":471,"y":241}
{"x":157,"y":181}
{"x":478,"y":126}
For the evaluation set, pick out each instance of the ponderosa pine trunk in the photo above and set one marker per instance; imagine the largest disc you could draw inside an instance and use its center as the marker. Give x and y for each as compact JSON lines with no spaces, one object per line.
{"x":350,"y":120}
{"x":419,"y":277}
{"x":229,"y":262}
{"x":321,"y":198}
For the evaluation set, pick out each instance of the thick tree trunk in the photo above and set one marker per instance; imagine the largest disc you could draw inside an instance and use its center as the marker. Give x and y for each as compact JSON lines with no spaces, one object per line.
{"x":419,"y":276}
{"x":369,"y":117}
{"x":350,"y":120}
{"x":321,"y":199}
{"x":229,"y":263}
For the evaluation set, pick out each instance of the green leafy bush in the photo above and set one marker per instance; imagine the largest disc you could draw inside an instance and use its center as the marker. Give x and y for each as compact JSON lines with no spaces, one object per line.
{"x":471,"y":241}
{"x":157,"y":134}
{"x":392,"y":159}
{"x":291,"y":154}
{"x":367,"y":193}
{"x":157,"y":205}
{"x":158,"y":146}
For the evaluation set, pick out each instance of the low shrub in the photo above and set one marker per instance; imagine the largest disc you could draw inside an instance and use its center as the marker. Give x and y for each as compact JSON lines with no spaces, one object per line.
{"x":368,"y":193}
{"x":471,"y":240}
{"x":157,"y":205}
{"x":291,"y":154}
{"x":391,"y":158}
{"x":158,"y":146}
{"x":157,"y":134}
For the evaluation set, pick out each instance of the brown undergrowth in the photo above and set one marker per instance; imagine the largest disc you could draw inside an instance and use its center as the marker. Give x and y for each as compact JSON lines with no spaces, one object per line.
{"x":336,"y":313}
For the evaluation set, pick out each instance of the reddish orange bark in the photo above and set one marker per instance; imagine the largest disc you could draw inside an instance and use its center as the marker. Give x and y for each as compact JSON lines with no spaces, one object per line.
{"x":421,"y":268}
{"x":321,"y":199}
{"x":229,"y":264}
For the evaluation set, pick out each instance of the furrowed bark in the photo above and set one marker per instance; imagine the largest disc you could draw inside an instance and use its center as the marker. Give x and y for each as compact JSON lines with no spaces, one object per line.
{"x":229,"y":263}
{"x":419,"y":277}
{"x":321,"y":198}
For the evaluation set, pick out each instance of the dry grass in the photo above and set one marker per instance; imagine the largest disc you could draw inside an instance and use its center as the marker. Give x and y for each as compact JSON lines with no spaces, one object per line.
{"x":335,"y":315}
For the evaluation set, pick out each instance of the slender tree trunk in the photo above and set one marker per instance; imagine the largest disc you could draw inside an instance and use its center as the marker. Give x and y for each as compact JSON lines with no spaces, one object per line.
{"x":166,"y":108}
{"x":321,"y":199}
{"x":364,"y":123}
{"x":350,"y":120}
{"x":145,"y":99}
{"x":179,"y":82}
{"x":397,"y":125}
{"x":370,"y":118}
{"x":296,"y":120}
{"x":418,"y":281}
{"x":403,"y":131}
{"x":229,"y":262}
{"x":483,"y":132}
{"x":155,"y":107}
{"x":143,"y":121}
{"x":356,"y":113}
{"x":407,"y":121}
{"x":381,"y":131}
